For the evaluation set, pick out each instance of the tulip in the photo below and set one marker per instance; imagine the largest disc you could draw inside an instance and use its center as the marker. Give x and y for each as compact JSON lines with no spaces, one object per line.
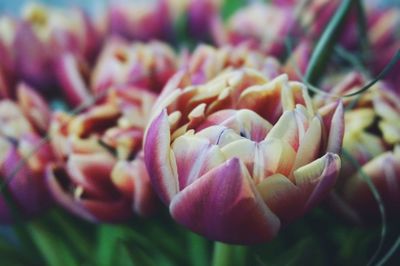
{"x":43,"y":34}
{"x":139,"y":65}
{"x":148,"y":66}
{"x":101,"y":174}
{"x":248,"y":26}
{"x":140,"y":21}
{"x":241,"y":155}
{"x":20,"y":140}
{"x":372,"y":141}
{"x":206,"y":62}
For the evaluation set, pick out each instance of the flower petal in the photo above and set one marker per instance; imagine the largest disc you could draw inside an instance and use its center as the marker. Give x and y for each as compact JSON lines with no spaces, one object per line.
{"x":224,"y":205}
{"x":333,"y":119}
{"x":159,"y":158}
{"x":282,"y":197}
{"x":286,"y":129}
{"x":317,"y":178}
{"x":71,"y":80}
{"x":33,"y":106}
{"x":309,"y":144}
{"x":92,"y":172}
{"x":194,"y":157}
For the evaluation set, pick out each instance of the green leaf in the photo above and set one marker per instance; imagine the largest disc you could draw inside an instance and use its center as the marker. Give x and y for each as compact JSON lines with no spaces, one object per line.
{"x":326,"y":43}
{"x":362,"y":28}
{"x":107,"y":238}
{"x":53,"y":249}
{"x":70,"y":232}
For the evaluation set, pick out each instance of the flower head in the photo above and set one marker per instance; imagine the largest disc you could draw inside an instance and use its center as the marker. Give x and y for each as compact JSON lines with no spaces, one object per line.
{"x":239,"y":156}
{"x":148,"y":66}
{"x":43,"y":34}
{"x":101,"y":175}
{"x":372,"y":141}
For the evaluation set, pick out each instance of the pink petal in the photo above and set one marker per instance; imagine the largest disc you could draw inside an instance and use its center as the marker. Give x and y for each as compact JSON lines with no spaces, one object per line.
{"x":71,"y":80}
{"x":25,"y":186}
{"x":224,"y":205}
{"x":159,"y":159}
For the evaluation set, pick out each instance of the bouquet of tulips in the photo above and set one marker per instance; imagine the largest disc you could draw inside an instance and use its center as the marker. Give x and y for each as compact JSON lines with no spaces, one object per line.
{"x":200,"y":132}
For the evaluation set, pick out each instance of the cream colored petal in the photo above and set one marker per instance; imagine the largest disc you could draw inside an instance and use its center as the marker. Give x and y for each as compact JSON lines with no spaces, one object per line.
{"x":286,"y":129}
{"x":309,"y":144}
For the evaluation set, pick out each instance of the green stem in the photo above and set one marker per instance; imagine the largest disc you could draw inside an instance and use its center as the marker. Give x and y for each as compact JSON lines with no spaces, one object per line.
{"x":198,"y":249}
{"x":324,"y":46}
{"x":226,"y":255}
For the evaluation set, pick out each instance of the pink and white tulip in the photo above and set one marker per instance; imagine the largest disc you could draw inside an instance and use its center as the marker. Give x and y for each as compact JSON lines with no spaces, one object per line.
{"x":120,"y":64}
{"x":148,"y":66}
{"x":101,"y":174}
{"x":43,"y":34}
{"x":372,"y":139}
{"x":241,"y":155}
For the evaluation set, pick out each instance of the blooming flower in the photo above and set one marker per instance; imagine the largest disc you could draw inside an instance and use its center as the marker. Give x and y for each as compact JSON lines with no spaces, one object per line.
{"x":372,"y":139}
{"x":248,"y":25}
{"x":20,"y":139}
{"x":145,"y":66}
{"x":239,"y":156}
{"x":42,"y":34}
{"x":101,"y":175}
{"x":148,"y":66}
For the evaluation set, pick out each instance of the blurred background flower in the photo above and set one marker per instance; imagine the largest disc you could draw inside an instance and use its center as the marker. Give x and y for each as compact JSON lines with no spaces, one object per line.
{"x":21,"y":133}
{"x":371,"y":144}
{"x":101,"y":175}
